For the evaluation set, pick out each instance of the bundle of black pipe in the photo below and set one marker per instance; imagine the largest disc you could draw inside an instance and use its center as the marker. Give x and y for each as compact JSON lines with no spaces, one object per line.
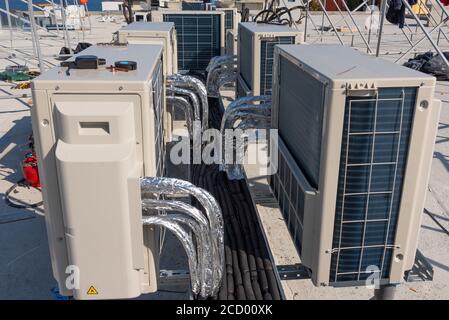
{"x":249,"y":271}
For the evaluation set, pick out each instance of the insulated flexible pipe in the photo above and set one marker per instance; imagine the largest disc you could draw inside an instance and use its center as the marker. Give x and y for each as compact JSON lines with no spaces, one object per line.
{"x":171,"y":186}
{"x":193,"y":97}
{"x":184,"y":81}
{"x":208,"y":259}
{"x":187,"y":108}
{"x":186,"y":241}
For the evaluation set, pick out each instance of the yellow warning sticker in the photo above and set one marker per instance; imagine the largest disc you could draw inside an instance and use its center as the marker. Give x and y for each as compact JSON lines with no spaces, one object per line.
{"x":92,"y":290}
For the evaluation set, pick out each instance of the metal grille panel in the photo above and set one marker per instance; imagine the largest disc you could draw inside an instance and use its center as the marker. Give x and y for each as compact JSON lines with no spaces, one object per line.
{"x":266,"y":61}
{"x":192,"y":6}
{"x":246,"y":55}
{"x":372,"y":165}
{"x":291,"y":198}
{"x":157,"y":83}
{"x":300,"y":115}
{"x":198,"y":39}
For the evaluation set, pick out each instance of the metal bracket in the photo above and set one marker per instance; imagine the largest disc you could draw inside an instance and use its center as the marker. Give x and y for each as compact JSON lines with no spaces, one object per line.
{"x":293,"y":272}
{"x":174,"y":277}
{"x":422,"y":269}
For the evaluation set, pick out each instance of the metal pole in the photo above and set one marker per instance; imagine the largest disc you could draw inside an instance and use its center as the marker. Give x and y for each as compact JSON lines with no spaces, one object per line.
{"x":414,"y":45}
{"x":54,"y":14}
{"x":86,"y":9}
{"x":307,"y":18}
{"x":356,"y":26}
{"x":383,"y":8}
{"x":79,"y":17}
{"x":35,"y":36}
{"x":11,"y":36}
{"x":322,"y":18}
{"x":66,"y":31}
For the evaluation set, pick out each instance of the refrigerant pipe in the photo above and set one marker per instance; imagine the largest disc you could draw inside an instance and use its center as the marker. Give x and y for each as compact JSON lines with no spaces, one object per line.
{"x":186,"y":241}
{"x":171,"y":186}
{"x":207,"y":259}
{"x":195,"y":84}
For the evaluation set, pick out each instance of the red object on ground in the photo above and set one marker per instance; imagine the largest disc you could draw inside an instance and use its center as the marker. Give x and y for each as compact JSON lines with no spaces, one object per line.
{"x":83,"y":2}
{"x":445,"y":2}
{"x":30,"y":170}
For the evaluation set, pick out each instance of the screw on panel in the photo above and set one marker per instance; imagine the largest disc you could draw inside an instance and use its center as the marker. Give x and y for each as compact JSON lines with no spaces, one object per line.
{"x":57,"y":88}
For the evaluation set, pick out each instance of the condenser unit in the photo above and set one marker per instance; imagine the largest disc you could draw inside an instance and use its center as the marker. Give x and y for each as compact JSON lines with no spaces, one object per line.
{"x":356,"y":138}
{"x":97,"y":131}
{"x":153,"y":33}
{"x":255,"y":47}
{"x":200,"y":36}
{"x":231,"y":42}
{"x":232,"y":19}
{"x":192,"y":5}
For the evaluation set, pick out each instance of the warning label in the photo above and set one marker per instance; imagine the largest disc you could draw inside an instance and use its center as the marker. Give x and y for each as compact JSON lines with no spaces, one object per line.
{"x":92,"y":290}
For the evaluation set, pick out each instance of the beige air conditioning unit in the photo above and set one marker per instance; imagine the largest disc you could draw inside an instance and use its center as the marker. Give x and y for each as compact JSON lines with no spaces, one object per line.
{"x":231,"y":42}
{"x":154,"y":33}
{"x":201,"y":36}
{"x":97,"y":132}
{"x":356,"y":141}
{"x":232,"y":19}
{"x":255,"y":48}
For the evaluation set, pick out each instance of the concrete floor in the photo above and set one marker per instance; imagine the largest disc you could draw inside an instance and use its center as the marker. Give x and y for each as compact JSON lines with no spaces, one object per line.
{"x":25,"y":270}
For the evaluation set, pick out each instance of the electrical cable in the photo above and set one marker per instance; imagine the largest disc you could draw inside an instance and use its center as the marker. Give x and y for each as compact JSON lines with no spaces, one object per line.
{"x":13,"y":203}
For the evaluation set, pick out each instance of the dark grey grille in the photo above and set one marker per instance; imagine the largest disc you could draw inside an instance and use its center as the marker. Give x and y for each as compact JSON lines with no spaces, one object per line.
{"x":246,"y":55}
{"x":192,"y":5}
{"x":229,"y":19}
{"x":300,"y":118}
{"x":159,"y":120}
{"x":229,"y":25}
{"x":372,"y":165}
{"x":266,"y":61}
{"x":198,"y":39}
{"x":288,"y":186}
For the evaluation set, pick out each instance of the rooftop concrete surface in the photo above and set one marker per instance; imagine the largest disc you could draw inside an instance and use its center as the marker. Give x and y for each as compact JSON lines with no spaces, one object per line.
{"x":25,"y":268}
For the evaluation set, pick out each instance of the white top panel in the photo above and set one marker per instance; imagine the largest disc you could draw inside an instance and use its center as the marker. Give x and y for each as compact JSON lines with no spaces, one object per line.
{"x":337,"y":62}
{"x":267,"y":28}
{"x":146,"y":56}
{"x":149,"y":26}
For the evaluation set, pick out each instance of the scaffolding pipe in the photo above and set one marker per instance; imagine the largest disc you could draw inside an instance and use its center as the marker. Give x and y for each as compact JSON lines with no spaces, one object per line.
{"x":383,"y":9}
{"x":435,"y":46}
{"x":11,"y":36}
{"x":35,"y":36}
{"x":66,"y":31}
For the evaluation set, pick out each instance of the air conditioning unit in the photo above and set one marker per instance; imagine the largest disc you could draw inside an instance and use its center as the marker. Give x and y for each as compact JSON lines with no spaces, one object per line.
{"x":356,"y":141}
{"x":192,"y":5}
{"x":200,"y":36}
{"x":232,"y":19}
{"x":97,"y":132}
{"x":256,"y":43}
{"x":231,"y":42}
{"x":154,"y":33}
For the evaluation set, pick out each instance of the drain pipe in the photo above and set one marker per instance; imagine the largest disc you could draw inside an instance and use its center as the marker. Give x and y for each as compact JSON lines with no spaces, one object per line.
{"x":187,"y":108}
{"x":207,"y":261}
{"x":186,"y":241}
{"x":189,"y":82}
{"x":172,"y":186}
